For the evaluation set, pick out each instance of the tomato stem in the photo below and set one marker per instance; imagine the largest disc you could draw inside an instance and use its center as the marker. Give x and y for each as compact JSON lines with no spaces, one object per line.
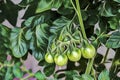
{"x":105,"y":57}
{"x":29,"y":76}
{"x":94,"y":73}
{"x":27,"y":71}
{"x":80,"y":19}
{"x":89,"y":66}
{"x":6,"y":65}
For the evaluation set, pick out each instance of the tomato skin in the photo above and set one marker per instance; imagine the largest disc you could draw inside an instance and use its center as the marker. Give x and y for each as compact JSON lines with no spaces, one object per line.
{"x":75,"y":55}
{"x":88,"y":51}
{"x":49,"y":58}
{"x":61,"y":59}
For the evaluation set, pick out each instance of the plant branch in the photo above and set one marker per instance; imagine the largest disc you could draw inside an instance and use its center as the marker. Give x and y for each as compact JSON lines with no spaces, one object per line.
{"x":94,"y":73}
{"x":27,"y":71}
{"x":80,"y":19}
{"x":74,"y":6}
{"x":89,"y":66}
{"x":105,"y":57}
{"x":29,"y":76}
{"x":6,"y":65}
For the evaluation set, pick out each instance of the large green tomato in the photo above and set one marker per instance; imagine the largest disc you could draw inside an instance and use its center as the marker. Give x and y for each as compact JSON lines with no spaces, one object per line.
{"x":49,"y":58}
{"x":61,"y":59}
{"x":88,"y":51}
{"x":75,"y":55}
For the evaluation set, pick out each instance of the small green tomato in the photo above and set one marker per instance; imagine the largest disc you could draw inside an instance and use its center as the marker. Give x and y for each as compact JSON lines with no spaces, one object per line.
{"x":88,"y":51}
{"x":61,"y":59}
{"x":49,"y":58}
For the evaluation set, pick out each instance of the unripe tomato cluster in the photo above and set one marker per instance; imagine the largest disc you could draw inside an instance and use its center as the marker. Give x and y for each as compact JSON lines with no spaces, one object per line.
{"x":74,"y":55}
{"x":64,"y":47}
{"x":62,"y":59}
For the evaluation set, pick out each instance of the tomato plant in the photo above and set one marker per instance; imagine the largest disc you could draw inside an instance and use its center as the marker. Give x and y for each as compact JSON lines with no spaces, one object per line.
{"x":59,"y":39}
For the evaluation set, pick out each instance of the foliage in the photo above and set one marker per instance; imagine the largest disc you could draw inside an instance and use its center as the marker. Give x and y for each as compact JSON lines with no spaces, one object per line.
{"x":59,"y":27}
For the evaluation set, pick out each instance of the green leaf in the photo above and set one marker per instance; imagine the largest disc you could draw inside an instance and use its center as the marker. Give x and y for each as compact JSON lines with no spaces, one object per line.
{"x":4,"y":42}
{"x":49,"y":69}
{"x":56,"y":4}
{"x":97,"y":31}
{"x":38,"y":54}
{"x":41,"y":35}
{"x":59,"y":24}
{"x":28,"y":34}
{"x":10,"y":11}
{"x":39,"y":40}
{"x":92,"y":20}
{"x":16,"y":70}
{"x":2,"y":72}
{"x":114,"y":40}
{"x":65,"y":11}
{"x":106,"y":10}
{"x":104,"y":75}
{"x":84,"y":15}
{"x":8,"y":75}
{"x":117,"y":1}
{"x":66,"y":8}
{"x":3,"y":56}
{"x":28,"y":22}
{"x":59,"y":76}
{"x":39,"y":76}
{"x":103,"y":38}
{"x":4,"y":34}
{"x":4,"y":31}
{"x":18,"y":43}
{"x":34,"y":21}
{"x":24,"y":3}
{"x":76,"y":78}
{"x":103,"y":25}
{"x":67,"y":4}
{"x":86,"y":77}
{"x":45,"y":5}
{"x":70,"y":74}
{"x":114,"y":23}
{"x":39,"y":19}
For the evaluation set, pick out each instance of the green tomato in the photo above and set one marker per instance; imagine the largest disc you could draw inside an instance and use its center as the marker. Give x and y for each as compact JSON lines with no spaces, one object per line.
{"x":49,"y":58}
{"x":75,"y":55}
{"x":88,"y":51}
{"x":61,"y":59}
